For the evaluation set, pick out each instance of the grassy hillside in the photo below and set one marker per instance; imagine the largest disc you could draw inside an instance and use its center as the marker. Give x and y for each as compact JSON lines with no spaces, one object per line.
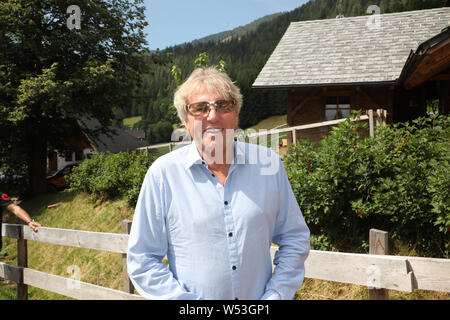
{"x":129,"y":122}
{"x":76,"y":211}
{"x":270,"y":123}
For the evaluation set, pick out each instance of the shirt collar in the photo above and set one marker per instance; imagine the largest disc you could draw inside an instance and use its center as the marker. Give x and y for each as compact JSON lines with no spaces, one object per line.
{"x":195,"y":158}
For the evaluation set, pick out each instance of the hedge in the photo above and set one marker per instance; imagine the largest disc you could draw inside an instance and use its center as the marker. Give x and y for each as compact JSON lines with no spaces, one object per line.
{"x":398,"y":181}
{"x":108,"y":176}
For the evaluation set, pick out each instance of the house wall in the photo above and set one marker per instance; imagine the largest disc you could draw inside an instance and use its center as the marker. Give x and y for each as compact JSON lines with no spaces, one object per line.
{"x":59,"y":161}
{"x":444,"y":96}
{"x":307,"y":105}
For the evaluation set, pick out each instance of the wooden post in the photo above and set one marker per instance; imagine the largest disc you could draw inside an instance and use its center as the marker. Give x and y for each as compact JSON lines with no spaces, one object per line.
{"x":170,"y":147}
{"x":371,"y":131}
{"x":22,"y":261}
{"x":378,"y":244}
{"x":379,"y":117}
{"x":294,"y":137}
{"x":127,"y":284}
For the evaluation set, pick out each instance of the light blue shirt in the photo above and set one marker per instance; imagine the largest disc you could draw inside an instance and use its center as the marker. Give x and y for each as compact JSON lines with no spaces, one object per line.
{"x":217,"y":238}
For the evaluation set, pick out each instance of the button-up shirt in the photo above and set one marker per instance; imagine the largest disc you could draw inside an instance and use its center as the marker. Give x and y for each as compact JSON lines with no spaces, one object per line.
{"x":216,"y":237}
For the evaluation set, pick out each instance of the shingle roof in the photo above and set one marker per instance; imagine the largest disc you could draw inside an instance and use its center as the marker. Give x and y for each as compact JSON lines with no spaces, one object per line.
{"x":117,"y":141}
{"x":347,"y":51}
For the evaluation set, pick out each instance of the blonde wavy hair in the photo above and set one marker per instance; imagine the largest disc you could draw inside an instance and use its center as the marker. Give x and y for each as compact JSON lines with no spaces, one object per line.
{"x":214,"y":81}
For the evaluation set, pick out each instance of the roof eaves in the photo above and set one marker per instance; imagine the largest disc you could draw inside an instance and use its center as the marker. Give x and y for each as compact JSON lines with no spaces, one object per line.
{"x":416,"y":57}
{"x":323,"y":85}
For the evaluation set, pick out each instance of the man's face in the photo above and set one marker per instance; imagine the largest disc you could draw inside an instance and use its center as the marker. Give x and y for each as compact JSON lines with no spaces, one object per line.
{"x":212,"y":126}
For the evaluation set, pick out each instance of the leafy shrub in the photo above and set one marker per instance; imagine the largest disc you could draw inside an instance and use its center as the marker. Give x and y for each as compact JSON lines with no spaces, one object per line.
{"x":107,"y":175}
{"x":398,"y":181}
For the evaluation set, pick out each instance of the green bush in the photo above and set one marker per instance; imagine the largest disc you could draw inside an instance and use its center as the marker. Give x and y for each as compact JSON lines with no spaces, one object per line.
{"x":398,"y":181}
{"x":107,"y":175}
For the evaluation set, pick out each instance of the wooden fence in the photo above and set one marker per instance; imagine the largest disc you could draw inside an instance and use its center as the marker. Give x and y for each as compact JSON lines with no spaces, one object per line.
{"x":376,"y":271}
{"x":374,"y":118}
{"x":24,"y":276}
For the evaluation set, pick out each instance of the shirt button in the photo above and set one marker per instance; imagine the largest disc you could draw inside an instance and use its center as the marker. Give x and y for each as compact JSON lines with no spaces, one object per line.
{"x":226,"y":203}
{"x":230,"y":234}
{"x":234,"y":268}
{"x":203,"y":162}
{"x":213,"y":174}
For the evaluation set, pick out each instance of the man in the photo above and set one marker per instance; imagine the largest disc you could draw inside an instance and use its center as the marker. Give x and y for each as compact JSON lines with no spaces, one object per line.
{"x":214,"y":208}
{"x":6,"y":202}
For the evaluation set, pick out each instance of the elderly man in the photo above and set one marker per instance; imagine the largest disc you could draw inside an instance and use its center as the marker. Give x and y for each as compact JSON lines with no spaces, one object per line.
{"x":214,"y":209}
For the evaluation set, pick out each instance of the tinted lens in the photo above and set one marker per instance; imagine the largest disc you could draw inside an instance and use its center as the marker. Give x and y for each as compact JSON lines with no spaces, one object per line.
{"x":199,"y":108}
{"x":224,"y":106}
{"x":202,"y":108}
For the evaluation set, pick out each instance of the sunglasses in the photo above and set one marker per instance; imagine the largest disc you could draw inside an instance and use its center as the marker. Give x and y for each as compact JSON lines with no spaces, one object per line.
{"x":203,"y":108}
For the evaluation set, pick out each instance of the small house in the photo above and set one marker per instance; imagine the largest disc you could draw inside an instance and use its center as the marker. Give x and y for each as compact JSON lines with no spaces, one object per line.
{"x":399,"y":62}
{"x":78,"y":149}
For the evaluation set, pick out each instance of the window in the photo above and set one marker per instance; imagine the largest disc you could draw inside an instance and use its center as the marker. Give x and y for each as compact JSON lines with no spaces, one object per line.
{"x":337,"y":107}
{"x":78,"y":155}
{"x":68,"y":155}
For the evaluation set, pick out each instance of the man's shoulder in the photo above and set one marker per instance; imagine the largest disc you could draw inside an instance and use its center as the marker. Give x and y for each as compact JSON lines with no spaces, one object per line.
{"x":175,"y":158}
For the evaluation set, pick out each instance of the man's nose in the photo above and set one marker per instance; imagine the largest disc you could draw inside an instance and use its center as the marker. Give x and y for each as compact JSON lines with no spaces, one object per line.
{"x":212,"y":113}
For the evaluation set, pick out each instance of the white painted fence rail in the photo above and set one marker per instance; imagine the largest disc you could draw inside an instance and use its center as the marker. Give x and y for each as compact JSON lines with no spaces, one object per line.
{"x":402,"y":273}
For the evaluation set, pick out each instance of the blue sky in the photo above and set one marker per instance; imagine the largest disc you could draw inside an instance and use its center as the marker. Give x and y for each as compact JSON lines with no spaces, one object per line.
{"x":174,"y":22}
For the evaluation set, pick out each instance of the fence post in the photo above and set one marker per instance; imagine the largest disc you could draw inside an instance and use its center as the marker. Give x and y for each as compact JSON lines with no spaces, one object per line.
{"x":22,"y":261}
{"x":371,"y":131}
{"x":127,"y":284}
{"x":378,"y":244}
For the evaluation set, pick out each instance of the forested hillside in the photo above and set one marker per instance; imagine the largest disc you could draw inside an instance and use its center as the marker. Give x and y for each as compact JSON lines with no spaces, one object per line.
{"x":236,"y":32}
{"x":245,"y":55}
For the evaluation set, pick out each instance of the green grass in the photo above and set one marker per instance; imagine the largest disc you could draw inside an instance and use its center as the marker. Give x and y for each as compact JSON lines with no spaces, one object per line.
{"x":129,"y":122}
{"x":270,"y":123}
{"x":267,"y":124}
{"x":8,"y":291}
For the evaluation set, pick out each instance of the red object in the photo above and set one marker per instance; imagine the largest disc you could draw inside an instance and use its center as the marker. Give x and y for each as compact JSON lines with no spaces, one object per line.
{"x":5,"y":197}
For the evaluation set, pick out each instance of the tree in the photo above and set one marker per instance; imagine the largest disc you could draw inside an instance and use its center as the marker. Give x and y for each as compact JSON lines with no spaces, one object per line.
{"x":51,"y":75}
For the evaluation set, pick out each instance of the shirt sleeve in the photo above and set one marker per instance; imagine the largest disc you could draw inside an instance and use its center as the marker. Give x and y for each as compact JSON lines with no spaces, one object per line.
{"x":148,"y":244}
{"x":5,"y":200}
{"x":292,"y":235}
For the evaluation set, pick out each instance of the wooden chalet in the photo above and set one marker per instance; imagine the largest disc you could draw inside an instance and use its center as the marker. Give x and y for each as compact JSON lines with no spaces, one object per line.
{"x":78,"y":149}
{"x":398,"y":62}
